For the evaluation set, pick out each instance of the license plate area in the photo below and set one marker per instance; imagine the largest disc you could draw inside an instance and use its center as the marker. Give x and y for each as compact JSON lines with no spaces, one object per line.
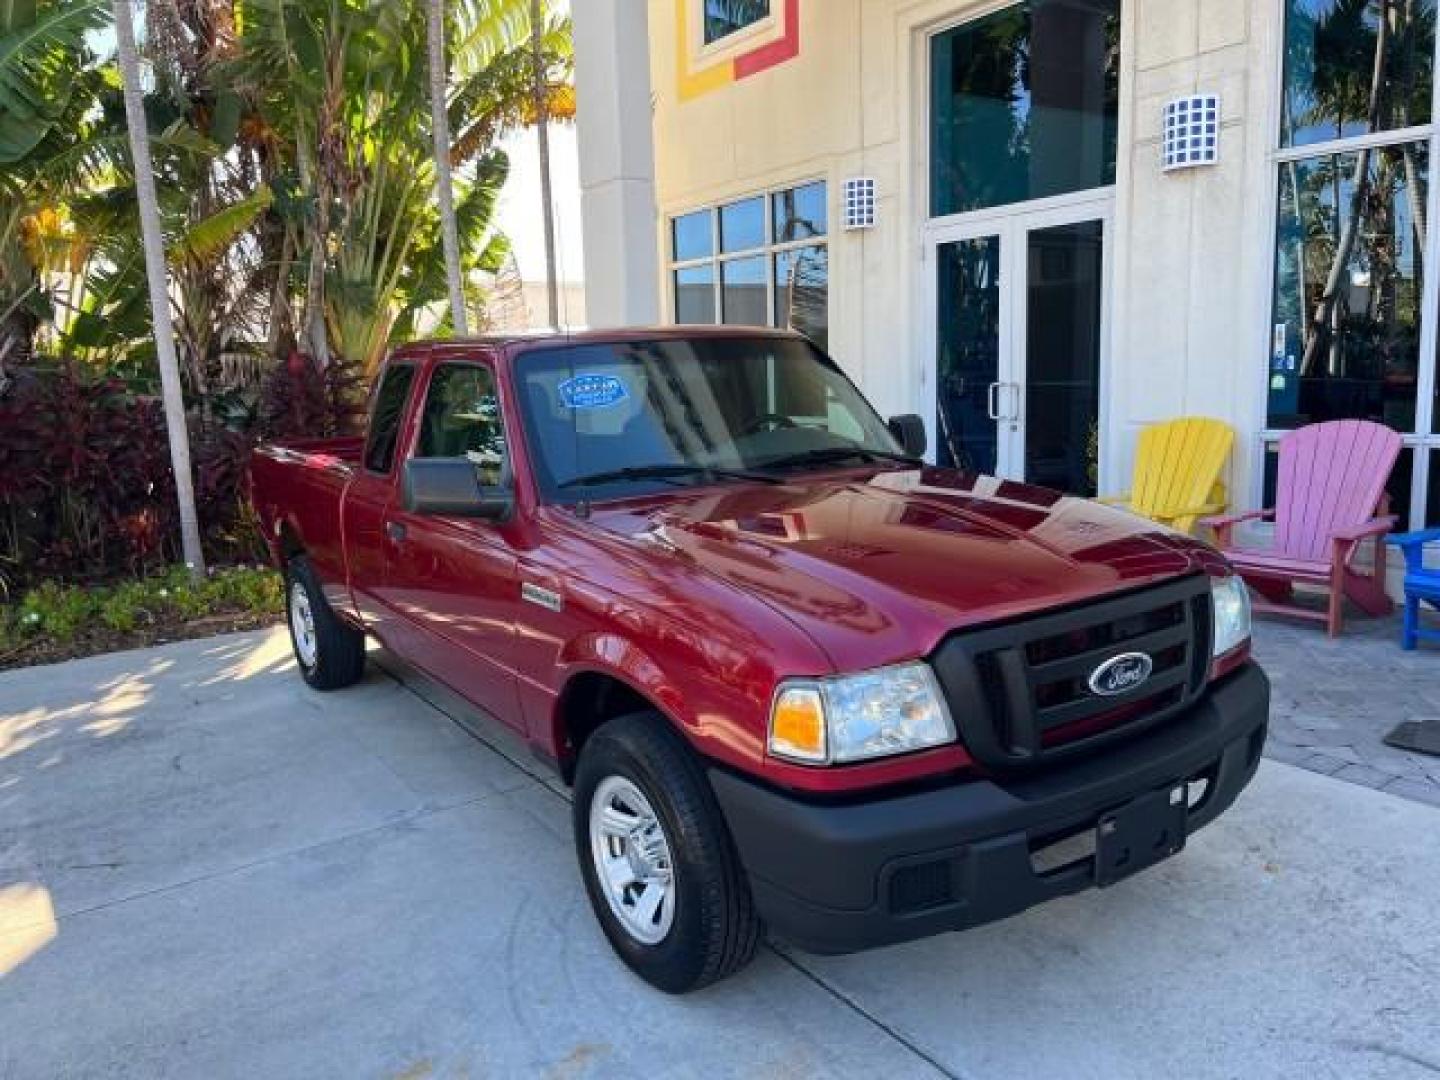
{"x":1140,"y":834}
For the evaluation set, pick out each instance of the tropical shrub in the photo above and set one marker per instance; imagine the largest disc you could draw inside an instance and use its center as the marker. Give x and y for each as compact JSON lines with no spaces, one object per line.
{"x":86,"y":489}
{"x":292,"y":149}
{"x":299,"y":399}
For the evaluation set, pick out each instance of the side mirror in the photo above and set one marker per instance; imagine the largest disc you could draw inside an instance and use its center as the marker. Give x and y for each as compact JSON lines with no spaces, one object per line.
{"x":450,"y":487}
{"x":909,"y":431}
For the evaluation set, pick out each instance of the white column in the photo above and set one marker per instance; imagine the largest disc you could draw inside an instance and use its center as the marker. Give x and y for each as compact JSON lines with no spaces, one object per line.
{"x":617,"y":162}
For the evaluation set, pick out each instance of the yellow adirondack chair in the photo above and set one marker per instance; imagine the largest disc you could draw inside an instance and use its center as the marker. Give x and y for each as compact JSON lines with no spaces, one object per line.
{"x":1177,"y":472}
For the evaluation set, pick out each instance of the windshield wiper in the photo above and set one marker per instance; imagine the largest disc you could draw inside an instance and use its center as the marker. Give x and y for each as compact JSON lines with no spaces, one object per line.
{"x":831,"y":455}
{"x":672,"y":472}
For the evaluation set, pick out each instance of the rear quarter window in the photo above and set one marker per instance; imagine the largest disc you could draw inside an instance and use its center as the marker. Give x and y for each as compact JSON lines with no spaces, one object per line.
{"x":385,"y":417}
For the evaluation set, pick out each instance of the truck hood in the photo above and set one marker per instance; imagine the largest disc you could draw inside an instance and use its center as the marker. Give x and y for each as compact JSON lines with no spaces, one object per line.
{"x":878,"y":567}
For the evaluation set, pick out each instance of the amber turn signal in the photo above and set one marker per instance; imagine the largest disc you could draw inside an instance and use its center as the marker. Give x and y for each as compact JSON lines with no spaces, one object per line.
{"x":797,"y":724}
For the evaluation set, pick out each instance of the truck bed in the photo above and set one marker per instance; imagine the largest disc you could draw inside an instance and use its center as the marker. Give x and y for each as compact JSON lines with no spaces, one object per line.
{"x":345,"y":449}
{"x":302,"y":482}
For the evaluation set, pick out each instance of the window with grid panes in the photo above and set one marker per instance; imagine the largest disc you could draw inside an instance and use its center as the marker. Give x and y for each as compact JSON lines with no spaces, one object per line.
{"x":1354,"y":309}
{"x":761,"y":260}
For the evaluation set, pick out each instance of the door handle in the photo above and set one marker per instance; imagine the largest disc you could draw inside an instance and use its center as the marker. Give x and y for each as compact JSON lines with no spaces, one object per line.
{"x":396,"y":531}
{"x":992,"y":400}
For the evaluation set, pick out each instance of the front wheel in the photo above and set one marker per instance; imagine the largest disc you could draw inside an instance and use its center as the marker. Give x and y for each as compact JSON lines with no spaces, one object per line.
{"x":330,"y":652}
{"x":657,"y":859}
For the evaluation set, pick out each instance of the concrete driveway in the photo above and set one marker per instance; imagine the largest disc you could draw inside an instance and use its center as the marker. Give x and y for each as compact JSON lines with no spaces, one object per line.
{"x":208,"y":870}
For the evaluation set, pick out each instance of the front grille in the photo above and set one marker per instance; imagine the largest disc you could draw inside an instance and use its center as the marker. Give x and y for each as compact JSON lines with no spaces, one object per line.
{"x":1020,"y":693}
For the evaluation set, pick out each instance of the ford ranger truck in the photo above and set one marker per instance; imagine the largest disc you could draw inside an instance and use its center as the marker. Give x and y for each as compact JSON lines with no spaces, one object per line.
{"x":798,"y":679}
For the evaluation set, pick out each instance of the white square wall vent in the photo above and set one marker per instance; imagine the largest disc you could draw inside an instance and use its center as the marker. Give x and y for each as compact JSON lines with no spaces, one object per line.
{"x":1192,"y":132}
{"x":860,"y":202}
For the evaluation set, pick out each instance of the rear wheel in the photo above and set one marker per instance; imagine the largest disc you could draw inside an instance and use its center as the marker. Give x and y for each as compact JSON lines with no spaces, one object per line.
{"x":657,"y":859}
{"x":329,"y":651}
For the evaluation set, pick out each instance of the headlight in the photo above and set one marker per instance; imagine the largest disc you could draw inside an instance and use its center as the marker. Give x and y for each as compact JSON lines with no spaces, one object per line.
{"x":1230,"y":607}
{"x":875,"y":714}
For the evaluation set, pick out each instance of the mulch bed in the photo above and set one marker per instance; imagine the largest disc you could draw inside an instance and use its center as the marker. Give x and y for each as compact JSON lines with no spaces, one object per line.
{"x":101,"y":639}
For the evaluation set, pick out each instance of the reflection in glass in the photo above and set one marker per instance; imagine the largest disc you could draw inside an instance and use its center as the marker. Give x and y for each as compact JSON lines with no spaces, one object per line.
{"x":385,"y":417}
{"x":799,"y":213}
{"x":968,"y":358}
{"x":1435,"y":400}
{"x":742,"y":292}
{"x":802,"y":286}
{"x":731,"y":403}
{"x":695,"y":294}
{"x":1024,"y":104}
{"x":1063,"y":287}
{"x":1355,"y":66}
{"x":462,"y":419}
{"x":1432,"y":499}
{"x":692,"y":236}
{"x":724,"y":17}
{"x":742,"y":225}
{"x":1348,"y":282}
{"x":1398,"y":487}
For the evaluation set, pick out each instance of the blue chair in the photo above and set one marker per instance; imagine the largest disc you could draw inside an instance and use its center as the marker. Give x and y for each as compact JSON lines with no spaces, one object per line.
{"x":1420,"y":584}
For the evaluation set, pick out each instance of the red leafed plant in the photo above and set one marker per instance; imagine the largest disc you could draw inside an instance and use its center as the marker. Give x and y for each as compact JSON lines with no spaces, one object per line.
{"x":300,"y":399}
{"x":86,"y":489}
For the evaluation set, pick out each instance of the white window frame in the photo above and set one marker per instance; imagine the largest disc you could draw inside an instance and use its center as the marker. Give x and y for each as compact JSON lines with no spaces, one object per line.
{"x":1424,"y":442}
{"x":768,"y":249}
{"x":741,"y":40}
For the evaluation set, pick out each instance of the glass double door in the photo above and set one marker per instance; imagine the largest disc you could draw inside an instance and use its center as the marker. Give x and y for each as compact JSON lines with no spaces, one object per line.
{"x":1020,"y":312}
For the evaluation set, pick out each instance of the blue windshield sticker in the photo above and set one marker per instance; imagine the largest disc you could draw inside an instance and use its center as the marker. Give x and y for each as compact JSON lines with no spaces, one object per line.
{"x":592,"y":391}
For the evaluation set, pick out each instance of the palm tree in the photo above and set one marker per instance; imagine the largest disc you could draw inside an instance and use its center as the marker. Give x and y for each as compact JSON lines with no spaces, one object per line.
{"x":354,"y":113}
{"x":542,"y":135}
{"x":444,"y":184}
{"x":47,"y":89}
{"x":155,"y":273}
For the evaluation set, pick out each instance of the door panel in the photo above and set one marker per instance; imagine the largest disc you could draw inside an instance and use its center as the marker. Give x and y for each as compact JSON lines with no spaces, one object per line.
{"x":453,"y":579}
{"x":363,"y":518}
{"x":969,"y":330}
{"x":454,"y":586}
{"x":1064,"y":291}
{"x":367,"y":499}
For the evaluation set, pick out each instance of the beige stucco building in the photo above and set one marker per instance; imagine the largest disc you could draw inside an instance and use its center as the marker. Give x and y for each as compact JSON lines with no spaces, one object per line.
{"x":1039,"y":280}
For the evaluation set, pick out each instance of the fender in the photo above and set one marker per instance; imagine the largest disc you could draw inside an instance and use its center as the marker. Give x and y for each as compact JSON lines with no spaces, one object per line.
{"x":720,"y":713}
{"x":607,"y":653}
{"x":289,"y":539}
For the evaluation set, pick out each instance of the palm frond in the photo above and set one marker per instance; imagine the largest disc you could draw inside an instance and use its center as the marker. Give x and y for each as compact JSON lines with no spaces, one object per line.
{"x":207,"y":239}
{"x":40,"y":48}
{"x":484,"y":29}
{"x":501,"y":97}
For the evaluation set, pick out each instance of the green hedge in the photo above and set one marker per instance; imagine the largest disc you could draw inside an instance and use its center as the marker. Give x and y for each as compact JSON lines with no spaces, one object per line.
{"x":61,"y":613}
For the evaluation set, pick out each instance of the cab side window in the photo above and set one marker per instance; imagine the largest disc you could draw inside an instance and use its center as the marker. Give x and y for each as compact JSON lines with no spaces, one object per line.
{"x":385,"y":418}
{"x":462,"y":419}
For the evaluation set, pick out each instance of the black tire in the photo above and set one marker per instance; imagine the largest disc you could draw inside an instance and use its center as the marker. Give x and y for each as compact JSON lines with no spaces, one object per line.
{"x":715,"y":930}
{"x":339,"y":654}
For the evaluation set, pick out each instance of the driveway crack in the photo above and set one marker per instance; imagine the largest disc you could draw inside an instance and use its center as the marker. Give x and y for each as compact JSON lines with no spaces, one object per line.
{"x":865,"y":1014}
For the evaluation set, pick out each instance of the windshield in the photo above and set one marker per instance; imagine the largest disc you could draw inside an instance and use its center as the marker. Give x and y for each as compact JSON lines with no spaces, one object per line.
{"x":618,"y":419}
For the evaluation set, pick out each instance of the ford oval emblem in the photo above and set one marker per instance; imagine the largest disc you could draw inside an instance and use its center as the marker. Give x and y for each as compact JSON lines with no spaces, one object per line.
{"x":1121,"y":674}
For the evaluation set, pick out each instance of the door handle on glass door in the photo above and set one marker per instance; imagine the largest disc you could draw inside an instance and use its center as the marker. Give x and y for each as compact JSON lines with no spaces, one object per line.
{"x":992,"y":401}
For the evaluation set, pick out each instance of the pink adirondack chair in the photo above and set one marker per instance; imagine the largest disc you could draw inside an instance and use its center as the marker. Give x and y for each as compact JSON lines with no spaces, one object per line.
{"x":1330,"y":486}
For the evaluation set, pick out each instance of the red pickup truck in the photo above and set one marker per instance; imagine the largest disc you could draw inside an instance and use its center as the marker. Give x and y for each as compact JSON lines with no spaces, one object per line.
{"x":797,"y":677}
